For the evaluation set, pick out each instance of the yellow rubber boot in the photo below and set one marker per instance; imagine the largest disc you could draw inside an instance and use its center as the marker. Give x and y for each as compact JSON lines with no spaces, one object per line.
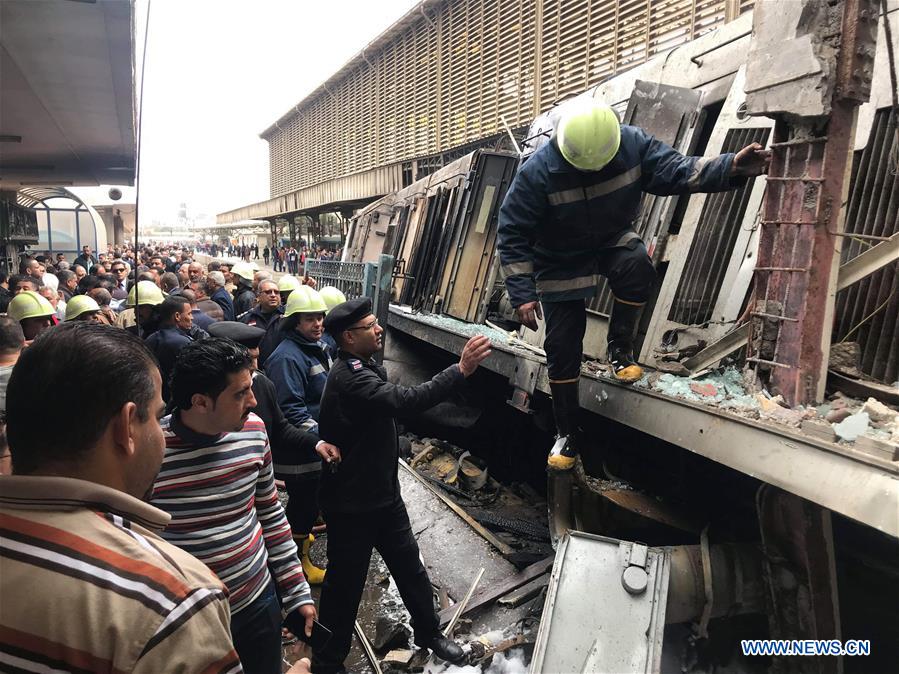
{"x":314,"y":575}
{"x":622,"y":365}
{"x":563,"y":455}
{"x":628,"y":374}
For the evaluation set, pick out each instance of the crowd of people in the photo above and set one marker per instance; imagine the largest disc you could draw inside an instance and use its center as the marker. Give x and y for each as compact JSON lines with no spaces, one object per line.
{"x":213,"y":395}
{"x":288,"y":259}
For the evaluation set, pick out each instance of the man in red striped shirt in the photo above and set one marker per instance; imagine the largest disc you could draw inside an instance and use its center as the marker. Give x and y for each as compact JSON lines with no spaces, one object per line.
{"x":87,"y":584}
{"x":217,"y":483}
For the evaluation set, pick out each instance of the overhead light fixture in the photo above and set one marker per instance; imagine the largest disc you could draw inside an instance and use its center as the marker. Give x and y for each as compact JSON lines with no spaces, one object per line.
{"x":10,"y":138}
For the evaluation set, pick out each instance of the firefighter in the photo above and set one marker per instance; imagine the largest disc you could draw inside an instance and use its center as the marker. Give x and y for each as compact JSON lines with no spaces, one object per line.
{"x":143,"y":299}
{"x":83,"y":308}
{"x":332,"y":297}
{"x":299,"y":369}
{"x":567,"y":219}
{"x":33,"y":312}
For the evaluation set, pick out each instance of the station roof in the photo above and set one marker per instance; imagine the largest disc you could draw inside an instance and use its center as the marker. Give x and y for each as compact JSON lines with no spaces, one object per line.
{"x":67,"y":110}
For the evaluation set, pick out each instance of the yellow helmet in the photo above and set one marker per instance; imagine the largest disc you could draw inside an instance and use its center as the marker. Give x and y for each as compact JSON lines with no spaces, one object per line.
{"x":29,"y":304}
{"x":80,"y":304}
{"x":332,"y":296}
{"x":588,"y":135}
{"x":287,"y":283}
{"x":147,"y":293}
{"x":305,"y":300}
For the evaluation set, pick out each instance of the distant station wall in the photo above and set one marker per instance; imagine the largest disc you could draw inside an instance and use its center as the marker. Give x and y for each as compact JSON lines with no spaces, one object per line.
{"x":449,"y":71}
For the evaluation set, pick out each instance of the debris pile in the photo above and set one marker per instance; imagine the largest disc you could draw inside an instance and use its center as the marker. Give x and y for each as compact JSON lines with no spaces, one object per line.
{"x":871,"y":425}
{"x":515,"y":514}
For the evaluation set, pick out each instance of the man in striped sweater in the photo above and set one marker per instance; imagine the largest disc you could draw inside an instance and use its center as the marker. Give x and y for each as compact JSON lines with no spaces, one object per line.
{"x":216,"y":482}
{"x":86,"y":582}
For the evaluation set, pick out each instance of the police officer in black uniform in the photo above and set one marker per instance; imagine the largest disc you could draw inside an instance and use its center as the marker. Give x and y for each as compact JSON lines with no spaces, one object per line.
{"x":361,"y":500}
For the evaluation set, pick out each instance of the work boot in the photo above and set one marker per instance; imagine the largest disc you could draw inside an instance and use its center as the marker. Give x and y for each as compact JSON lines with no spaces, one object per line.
{"x":314,"y":575}
{"x":621,"y":363}
{"x":565,"y":409}
{"x":445,"y":649}
{"x":622,"y":329}
{"x":563,"y":454}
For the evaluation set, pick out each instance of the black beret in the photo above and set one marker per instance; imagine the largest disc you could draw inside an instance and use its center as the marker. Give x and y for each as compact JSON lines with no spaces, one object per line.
{"x":344,"y":315}
{"x":248,"y":335}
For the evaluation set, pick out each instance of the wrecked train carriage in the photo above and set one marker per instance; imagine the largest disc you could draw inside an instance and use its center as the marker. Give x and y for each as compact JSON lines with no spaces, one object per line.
{"x":823,"y":512}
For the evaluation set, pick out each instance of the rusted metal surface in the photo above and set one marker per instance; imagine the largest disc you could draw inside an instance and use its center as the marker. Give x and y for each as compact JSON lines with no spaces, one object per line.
{"x":794,"y":263}
{"x":873,"y":210}
{"x":803,"y":216}
{"x":797,"y":544}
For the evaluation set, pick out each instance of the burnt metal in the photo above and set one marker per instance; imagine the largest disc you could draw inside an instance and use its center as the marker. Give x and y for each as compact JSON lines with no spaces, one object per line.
{"x":797,"y":544}
{"x":468,"y":277}
{"x":738,"y":586}
{"x":514,"y":525}
{"x":873,"y":210}
{"x":712,"y":245}
{"x":773,"y":453}
{"x":855,"y":67}
{"x":805,"y":184}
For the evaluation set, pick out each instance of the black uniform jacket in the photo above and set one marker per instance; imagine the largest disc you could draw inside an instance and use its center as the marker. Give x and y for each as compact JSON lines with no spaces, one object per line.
{"x":357,"y":414}
{"x":292,"y":448}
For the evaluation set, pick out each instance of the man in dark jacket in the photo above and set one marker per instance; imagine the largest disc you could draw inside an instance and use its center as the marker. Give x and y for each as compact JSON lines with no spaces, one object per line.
{"x":244,"y":297}
{"x":567,"y":219}
{"x":215,"y":288}
{"x":292,"y":447}
{"x":201,"y":320}
{"x":175,"y":323}
{"x":87,"y":259}
{"x":361,"y":500}
{"x":268,"y":306}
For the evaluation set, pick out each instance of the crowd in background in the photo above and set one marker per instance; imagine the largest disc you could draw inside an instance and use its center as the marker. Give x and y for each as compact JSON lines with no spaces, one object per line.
{"x":214,"y":398}
{"x":198,"y":321}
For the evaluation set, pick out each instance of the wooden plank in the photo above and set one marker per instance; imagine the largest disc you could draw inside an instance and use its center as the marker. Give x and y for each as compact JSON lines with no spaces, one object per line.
{"x":456,"y":508}
{"x":525,"y":592}
{"x":494,"y":592}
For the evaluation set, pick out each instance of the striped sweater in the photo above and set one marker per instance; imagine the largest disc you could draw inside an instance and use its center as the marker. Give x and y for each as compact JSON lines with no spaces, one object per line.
{"x":220,"y":492}
{"x":87,"y":585}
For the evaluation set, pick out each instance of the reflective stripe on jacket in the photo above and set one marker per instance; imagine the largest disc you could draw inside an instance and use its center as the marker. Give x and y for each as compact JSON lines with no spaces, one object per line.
{"x":554,"y":215}
{"x":299,"y":369}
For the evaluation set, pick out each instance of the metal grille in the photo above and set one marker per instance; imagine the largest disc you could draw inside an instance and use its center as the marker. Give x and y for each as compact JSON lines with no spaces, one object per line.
{"x":713,"y":242}
{"x":350,"y":277}
{"x":453,"y":70}
{"x":873,"y":211}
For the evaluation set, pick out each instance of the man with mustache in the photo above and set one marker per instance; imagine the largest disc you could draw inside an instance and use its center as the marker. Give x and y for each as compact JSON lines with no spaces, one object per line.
{"x":361,"y":500}
{"x":217,"y":483}
{"x":87,"y":582}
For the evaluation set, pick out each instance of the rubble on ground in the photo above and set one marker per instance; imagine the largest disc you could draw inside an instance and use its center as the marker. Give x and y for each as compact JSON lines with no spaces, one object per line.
{"x":450,"y":324}
{"x":871,"y":425}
